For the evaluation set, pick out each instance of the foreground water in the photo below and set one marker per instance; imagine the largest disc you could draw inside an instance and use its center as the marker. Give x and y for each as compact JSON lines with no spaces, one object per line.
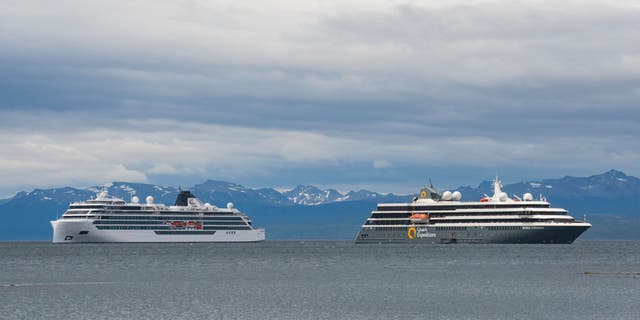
{"x":319,"y":280}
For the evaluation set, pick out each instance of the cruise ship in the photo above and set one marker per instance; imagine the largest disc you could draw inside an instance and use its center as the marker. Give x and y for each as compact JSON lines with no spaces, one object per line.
{"x":443,"y":218}
{"x":109,"y":219}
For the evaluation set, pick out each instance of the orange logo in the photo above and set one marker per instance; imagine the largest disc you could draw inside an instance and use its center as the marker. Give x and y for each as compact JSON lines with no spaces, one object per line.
{"x":412,"y":233}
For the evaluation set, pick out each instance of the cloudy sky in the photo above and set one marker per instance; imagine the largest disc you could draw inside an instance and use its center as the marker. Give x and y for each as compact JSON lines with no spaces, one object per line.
{"x":345,"y":94}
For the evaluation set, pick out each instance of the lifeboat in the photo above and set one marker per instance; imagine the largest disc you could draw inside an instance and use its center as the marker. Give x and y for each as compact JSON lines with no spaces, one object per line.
{"x":199,"y":226}
{"x":191,"y":224}
{"x":485,"y":199}
{"x":177,"y":224}
{"x":419,"y":218}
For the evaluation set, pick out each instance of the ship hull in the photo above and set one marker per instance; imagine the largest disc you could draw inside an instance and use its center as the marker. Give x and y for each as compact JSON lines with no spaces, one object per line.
{"x":84,"y":231}
{"x":549,"y":233}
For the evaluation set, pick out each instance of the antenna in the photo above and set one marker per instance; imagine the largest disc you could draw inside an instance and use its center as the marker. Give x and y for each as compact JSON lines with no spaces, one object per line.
{"x":430,"y":184}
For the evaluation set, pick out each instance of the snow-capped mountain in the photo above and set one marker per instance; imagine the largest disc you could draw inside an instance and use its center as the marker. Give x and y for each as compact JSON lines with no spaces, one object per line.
{"x":216,"y":192}
{"x":123,"y":190}
{"x":365,"y":194}
{"x":221,"y":192}
{"x":613,"y":197}
{"x":611,"y":184}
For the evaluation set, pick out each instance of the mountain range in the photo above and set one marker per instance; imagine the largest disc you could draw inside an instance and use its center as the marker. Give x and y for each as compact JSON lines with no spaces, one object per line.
{"x":609,"y":199}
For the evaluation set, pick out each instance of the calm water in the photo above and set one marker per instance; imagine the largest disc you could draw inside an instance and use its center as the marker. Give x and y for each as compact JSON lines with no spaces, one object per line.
{"x":319,"y":280}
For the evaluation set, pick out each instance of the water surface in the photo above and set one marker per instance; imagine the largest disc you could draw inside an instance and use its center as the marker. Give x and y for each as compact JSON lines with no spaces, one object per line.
{"x":319,"y":280}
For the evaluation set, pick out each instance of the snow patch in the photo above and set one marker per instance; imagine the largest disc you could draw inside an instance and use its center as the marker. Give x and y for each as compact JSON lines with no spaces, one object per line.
{"x":535,"y":184}
{"x":127,"y":188}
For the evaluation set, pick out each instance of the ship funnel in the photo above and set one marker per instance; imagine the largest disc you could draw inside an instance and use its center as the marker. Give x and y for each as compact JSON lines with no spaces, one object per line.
{"x":429,"y":193}
{"x":183,"y":198}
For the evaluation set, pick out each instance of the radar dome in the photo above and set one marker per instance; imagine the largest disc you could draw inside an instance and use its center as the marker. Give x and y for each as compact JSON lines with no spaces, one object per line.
{"x":208,"y":204}
{"x":527,"y":197}
{"x":149,"y":200}
{"x":446,"y":196}
{"x":503,"y":196}
{"x":230,"y":205}
{"x":456,"y":196}
{"x":135,"y":199}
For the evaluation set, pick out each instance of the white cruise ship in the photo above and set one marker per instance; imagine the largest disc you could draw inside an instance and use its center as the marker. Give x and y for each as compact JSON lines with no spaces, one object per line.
{"x":108,"y":219}
{"x":443,"y":218}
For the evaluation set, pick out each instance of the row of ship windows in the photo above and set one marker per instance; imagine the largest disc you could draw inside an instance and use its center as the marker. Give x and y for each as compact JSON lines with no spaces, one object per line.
{"x":160,"y":218}
{"x":452,"y":228}
{"x":163,"y":217}
{"x":187,"y":232}
{"x":489,"y":228}
{"x":206,"y":223}
{"x":165,"y":228}
{"x":471,"y":214}
{"x":389,"y":228}
{"x":190,"y":213}
{"x":105,"y":207}
{"x":436,"y":208}
{"x":405,"y":228}
{"x":407,"y":222}
{"x":503,"y":228}
{"x":501,"y":220}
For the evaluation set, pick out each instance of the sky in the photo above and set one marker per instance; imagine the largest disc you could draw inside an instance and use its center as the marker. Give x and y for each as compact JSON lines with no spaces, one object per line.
{"x":381,"y":95}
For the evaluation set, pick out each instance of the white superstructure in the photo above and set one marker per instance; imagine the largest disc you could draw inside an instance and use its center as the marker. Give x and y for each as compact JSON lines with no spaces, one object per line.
{"x":108,"y":219}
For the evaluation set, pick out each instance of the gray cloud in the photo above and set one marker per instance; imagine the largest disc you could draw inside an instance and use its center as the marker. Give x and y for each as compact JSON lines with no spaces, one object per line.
{"x":309,"y":92}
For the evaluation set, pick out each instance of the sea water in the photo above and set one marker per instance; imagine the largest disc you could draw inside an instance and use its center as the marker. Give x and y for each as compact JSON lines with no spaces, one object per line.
{"x":319,"y":280}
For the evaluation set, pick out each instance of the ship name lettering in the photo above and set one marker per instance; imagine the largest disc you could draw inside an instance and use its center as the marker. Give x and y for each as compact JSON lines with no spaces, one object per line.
{"x":424,"y":233}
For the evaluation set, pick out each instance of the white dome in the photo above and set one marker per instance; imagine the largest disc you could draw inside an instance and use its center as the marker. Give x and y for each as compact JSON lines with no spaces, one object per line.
{"x":527,"y":197}
{"x":456,"y":196}
{"x":230,"y":205}
{"x":135,"y":199}
{"x":503,"y":196}
{"x":208,"y":204}
{"x":149,"y":200}
{"x":446,"y":196}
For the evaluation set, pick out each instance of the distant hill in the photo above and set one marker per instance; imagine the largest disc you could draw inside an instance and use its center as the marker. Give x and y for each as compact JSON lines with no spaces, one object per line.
{"x":306,"y":212}
{"x":612,"y":191}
